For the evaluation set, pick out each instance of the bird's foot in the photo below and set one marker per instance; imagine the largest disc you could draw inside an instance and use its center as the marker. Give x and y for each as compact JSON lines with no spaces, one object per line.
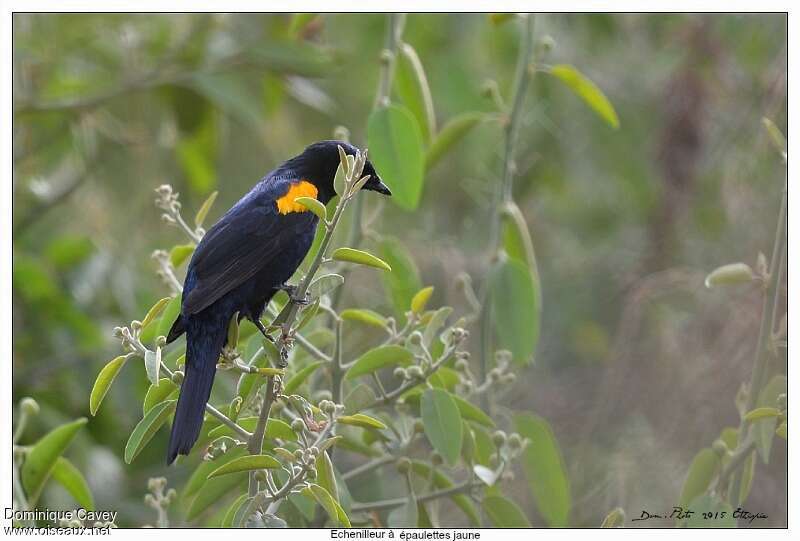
{"x":291,"y":290}
{"x":263,"y":330}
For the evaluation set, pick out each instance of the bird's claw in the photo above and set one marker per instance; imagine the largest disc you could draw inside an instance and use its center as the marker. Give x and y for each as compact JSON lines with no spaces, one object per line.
{"x":291,"y":290}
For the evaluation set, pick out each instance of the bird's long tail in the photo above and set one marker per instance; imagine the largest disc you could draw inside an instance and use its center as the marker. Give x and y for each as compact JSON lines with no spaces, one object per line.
{"x":203,"y":346}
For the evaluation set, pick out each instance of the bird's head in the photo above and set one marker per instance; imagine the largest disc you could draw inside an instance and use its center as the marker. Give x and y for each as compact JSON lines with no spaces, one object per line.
{"x":318,"y":164}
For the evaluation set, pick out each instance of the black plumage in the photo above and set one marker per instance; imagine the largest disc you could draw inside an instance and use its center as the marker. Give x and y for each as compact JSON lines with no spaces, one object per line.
{"x":240,"y":263}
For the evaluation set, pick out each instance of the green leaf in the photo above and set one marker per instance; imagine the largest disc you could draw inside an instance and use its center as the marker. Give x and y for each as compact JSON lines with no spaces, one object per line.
{"x":404,"y":281}
{"x":411,"y":85}
{"x":702,"y":470}
{"x":169,"y":316}
{"x":435,"y":324}
{"x":324,"y":284}
{"x":587,"y":91}
{"x":517,"y":240}
{"x":472,"y":412}
{"x":359,"y":398}
{"x":246,"y":463}
{"x":155,"y":311}
{"x":748,"y":470}
{"x":733,"y":273}
{"x":719,"y":514}
{"x":420,"y":300}
{"x":515,"y":308}
{"x":147,"y":427}
{"x":227,"y":520}
{"x":69,"y":477}
{"x":765,"y":430}
{"x":199,"y":477}
{"x":504,"y":513}
{"x":229,"y":93}
{"x":442,"y":482}
{"x":331,"y":506}
{"x":43,"y":455}
{"x":395,"y":148}
{"x":103,"y":382}
{"x":200,"y":217}
{"x":451,"y":133}
{"x":614,"y":519}
{"x":782,"y":430}
{"x":361,"y":420}
{"x":298,"y":379}
{"x":152,"y":364}
{"x":326,"y":478}
{"x":158,"y":393}
{"x":180,"y":253}
{"x":213,"y":491}
{"x":364,"y":315}
{"x":762,"y":413}
{"x":314,"y":206}
{"x":545,"y":470}
{"x":380,"y":357}
{"x":361,"y":257}
{"x":442,"y":423}
{"x":276,"y":428}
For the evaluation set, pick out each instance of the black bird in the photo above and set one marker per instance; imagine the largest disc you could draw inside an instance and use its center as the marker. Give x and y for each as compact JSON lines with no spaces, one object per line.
{"x":241,"y":262}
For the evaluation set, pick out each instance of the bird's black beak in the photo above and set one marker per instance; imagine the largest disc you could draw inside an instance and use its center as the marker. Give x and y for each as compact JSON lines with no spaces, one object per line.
{"x":376,"y":185}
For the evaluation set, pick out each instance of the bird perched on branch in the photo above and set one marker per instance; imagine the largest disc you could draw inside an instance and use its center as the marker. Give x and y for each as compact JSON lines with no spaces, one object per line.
{"x":241,"y":262}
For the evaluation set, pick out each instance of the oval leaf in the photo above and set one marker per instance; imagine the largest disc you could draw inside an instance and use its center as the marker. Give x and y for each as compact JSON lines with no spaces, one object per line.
{"x":363,"y":315}
{"x":411,"y":85}
{"x":331,"y":506}
{"x":452,"y":132}
{"x":587,"y":91}
{"x":403,"y":282}
{"x":471,"y":412}
{"x":515,"y":308}
{"x":246,"y":463}
{"x":324,"y":284}
{"x":103,"y":382}
{"x":200,"y":217}
{"x":395,"y":146}
{"x":314,"y":206}
{"x":378,"y":358}
{"x":361,"y":257}
{"x":152,"y":364}
{"x":361,"y":420}
{"x":180,"y":253}
{"x":504,"y":513}
{"x":701,"y":472}
{"x":420,"y":300}
{"x":762,"y":413}
{"x":298,"y":379}
{"x":442,"y":423}
{"x":44,"y":454}
{"x":147,"y":427}
{"x":545,"y":470}
{"x":155,"y":311}
{"x":158,"y":393}
{"x":734,"y":273}
{"x":69,"y":477}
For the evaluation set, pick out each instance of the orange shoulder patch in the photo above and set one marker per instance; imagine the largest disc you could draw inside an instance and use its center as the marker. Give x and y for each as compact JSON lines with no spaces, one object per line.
{"x":286,"y":204}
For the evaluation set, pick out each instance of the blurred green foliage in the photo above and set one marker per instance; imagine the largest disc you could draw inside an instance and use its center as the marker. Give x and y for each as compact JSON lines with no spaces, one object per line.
{"x":637,"y":363}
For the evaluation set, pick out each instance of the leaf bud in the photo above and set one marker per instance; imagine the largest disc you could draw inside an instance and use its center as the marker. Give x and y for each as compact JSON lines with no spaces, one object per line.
{"x":29,"y":406}
{"x":403,"y":465}
{"x":499,"y":438}
{"x":298,"y":425}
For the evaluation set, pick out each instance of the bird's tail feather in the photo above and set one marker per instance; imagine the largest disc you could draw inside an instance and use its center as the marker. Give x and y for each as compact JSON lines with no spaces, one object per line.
{"x":202,"y":351}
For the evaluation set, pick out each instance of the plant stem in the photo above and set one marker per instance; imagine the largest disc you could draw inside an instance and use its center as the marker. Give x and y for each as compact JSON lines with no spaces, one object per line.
{"x":397,"y":502}
{"x":767,"y":326}
{"x":368,"y":467}
{"x":227,"y":421}
{"x":394,"y":35}
{"x":256,"y":441}
{"x":505,"y":189}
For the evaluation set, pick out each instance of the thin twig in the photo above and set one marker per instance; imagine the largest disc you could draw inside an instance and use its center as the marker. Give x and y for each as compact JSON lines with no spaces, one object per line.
{"x":397,"y":502}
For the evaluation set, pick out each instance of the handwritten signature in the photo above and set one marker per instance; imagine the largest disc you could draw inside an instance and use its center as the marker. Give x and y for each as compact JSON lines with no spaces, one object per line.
{"x":679,"y":513}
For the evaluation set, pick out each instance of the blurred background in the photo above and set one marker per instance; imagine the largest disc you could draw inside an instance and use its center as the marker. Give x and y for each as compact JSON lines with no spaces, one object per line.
{"x":638,"y":363}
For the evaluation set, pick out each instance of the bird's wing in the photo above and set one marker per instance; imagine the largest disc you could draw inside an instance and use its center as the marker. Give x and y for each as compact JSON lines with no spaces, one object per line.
{"x":239,"y":246}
